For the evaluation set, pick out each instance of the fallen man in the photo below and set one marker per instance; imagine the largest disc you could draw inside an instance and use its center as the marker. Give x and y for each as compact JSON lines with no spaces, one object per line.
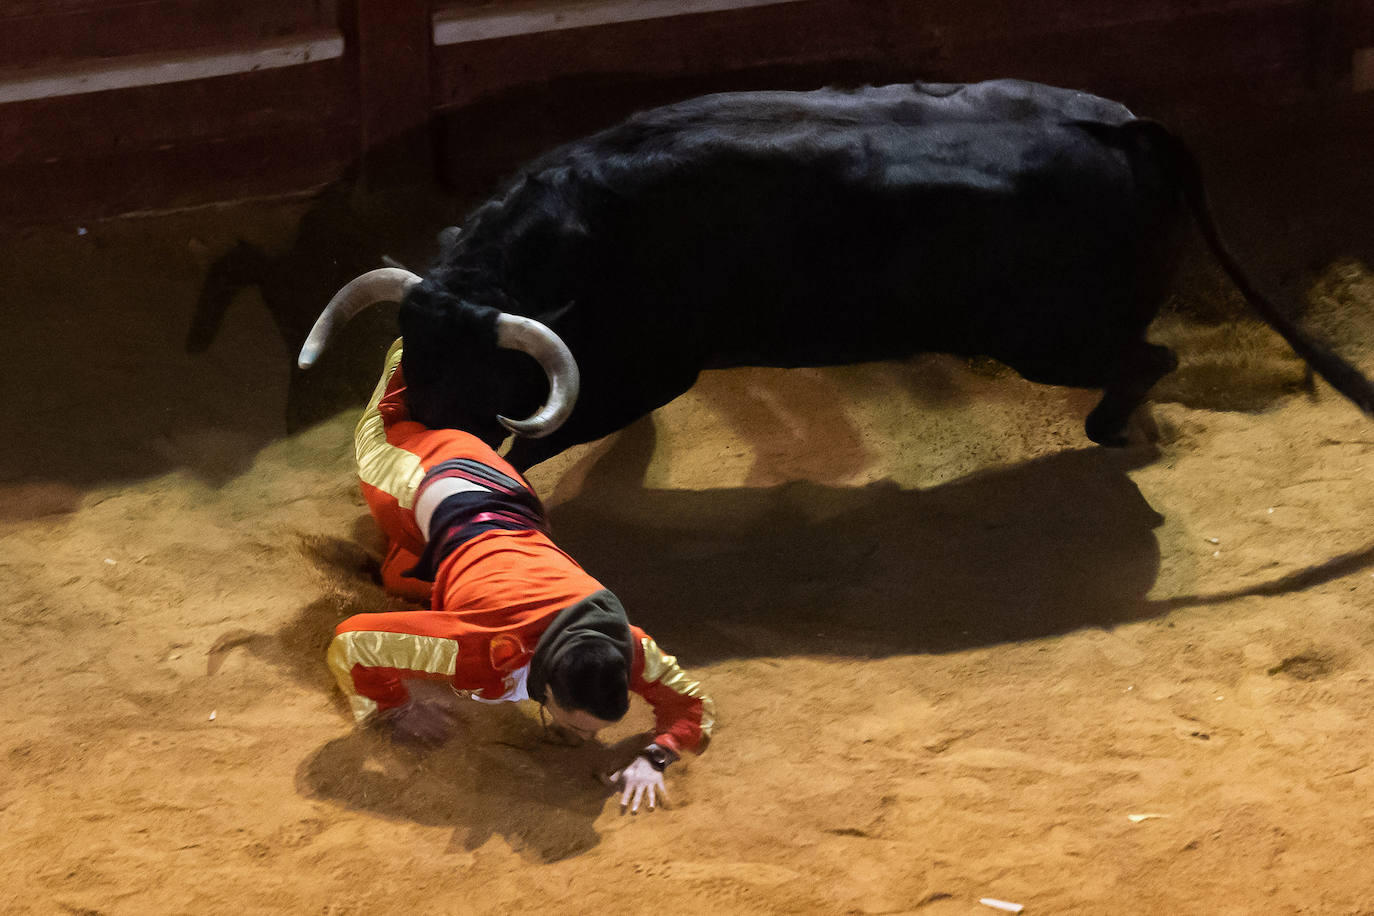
{"x":512,"y":616}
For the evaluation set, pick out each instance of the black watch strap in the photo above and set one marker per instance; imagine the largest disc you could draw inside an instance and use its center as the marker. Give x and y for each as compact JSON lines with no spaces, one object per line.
{"x":658,"y":756}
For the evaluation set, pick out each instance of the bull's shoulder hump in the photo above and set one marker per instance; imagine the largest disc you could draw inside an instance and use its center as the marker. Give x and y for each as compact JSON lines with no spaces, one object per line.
{"x":897,"y":129}
{"x":999,"y":99}
{"x":768,"y":120}
{"x":1014,"y":99}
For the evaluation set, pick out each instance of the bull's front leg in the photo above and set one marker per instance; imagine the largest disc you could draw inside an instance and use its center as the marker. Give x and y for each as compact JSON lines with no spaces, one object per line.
{"x":1137,"y":372}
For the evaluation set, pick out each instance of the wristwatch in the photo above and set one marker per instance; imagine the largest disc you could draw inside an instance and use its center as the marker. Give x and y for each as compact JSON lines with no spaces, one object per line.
{"x":658,"y":756}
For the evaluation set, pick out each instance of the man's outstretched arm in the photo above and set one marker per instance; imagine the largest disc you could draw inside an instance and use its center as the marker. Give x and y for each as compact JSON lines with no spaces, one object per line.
{"x":684,"y":718}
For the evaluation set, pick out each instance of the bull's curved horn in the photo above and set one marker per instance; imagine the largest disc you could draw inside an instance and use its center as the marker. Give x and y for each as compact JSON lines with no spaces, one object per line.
{"x":515,"y":332}
{"x":386,"y":284}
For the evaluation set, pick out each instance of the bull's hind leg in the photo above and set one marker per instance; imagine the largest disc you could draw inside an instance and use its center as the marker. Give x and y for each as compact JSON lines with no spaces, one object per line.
{"x":1140,"y":367}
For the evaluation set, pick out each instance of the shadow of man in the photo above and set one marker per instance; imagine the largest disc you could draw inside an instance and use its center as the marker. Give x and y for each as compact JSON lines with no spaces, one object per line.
{"x":498,"y":777}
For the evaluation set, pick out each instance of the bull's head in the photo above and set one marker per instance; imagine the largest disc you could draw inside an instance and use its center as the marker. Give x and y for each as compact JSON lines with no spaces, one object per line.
{"x":456,"y":375}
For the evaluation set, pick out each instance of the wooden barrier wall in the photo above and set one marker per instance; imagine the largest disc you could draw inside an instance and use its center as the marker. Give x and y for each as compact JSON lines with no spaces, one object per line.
{"x":113,"y":106}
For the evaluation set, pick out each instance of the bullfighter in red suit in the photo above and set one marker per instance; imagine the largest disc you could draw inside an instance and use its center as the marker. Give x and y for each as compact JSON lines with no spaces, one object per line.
{"x":512,"y":616}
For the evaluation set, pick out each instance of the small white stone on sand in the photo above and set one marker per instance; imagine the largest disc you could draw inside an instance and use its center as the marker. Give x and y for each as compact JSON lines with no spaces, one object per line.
{"x":109,"y":562}
{"x":1001,"y":905}
{"x":213,"y":712}
{"x":1137,"y":818}
{"x":1213,"y":540}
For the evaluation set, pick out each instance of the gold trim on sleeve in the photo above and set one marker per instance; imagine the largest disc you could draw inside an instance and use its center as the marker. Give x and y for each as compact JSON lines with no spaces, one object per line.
{"x":424,"y":655}
{"x":380,"y":464}
{"x":661,"y":668}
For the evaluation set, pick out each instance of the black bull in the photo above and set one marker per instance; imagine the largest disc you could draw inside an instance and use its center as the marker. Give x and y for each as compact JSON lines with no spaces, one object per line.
{"x":1009,"y":219}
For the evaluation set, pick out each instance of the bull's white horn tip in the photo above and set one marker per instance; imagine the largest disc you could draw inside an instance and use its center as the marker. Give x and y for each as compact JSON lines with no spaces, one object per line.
{"x":308,"y":357}
{"x":528,"y":429}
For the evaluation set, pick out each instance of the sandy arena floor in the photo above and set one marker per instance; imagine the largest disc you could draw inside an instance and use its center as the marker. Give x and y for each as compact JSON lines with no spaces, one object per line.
{"x":957,"y":651}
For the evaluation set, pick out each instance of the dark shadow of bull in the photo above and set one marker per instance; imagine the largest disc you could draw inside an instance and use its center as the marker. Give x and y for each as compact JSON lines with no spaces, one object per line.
{"x":1036,"y":549}
{"x":344,"y":231}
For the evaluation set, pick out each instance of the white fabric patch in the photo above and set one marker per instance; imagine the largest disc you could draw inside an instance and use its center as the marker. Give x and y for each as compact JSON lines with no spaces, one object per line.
{"x":518,"y":691}
{"x":435,"y":493}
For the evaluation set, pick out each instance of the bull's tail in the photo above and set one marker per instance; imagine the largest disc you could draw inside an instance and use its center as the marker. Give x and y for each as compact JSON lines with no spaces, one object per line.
{"x":1342,"y":376}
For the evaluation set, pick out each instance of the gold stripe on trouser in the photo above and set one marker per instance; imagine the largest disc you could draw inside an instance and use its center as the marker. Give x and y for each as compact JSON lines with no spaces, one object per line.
{"x":663,"y":669}
{"x":380,"y":464}
{"x":377,"y":649}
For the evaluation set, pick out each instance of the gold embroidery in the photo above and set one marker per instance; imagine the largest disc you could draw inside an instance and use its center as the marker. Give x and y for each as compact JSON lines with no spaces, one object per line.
{"x":377,"y":649}
{"x":380,"y":464}
{"x":663,"y":669}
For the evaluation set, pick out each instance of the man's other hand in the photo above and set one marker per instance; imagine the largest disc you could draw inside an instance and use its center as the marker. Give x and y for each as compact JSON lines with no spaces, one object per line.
{"x":639,"y":780}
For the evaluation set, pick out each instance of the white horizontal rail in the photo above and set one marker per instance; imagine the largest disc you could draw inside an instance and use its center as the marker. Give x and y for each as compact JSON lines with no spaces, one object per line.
{"x":452,"y":27}
{"x":156,"y":69}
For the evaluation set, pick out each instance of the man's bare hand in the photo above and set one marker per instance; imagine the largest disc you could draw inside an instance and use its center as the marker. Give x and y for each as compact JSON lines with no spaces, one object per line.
{"x":639,"y":781}
{"x":421,"y":723}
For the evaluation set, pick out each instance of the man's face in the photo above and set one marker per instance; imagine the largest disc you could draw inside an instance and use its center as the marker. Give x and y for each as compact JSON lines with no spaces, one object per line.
{"x":575,"y":721}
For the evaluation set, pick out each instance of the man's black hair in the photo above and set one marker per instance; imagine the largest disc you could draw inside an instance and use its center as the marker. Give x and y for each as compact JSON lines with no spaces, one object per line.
{"x":592,"y":677}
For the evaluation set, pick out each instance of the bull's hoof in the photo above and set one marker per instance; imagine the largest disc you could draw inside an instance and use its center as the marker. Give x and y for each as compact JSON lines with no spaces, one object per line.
{"x":1116,"y":440}
{"x":1109,"y":433}
{"x":1139,"y":427}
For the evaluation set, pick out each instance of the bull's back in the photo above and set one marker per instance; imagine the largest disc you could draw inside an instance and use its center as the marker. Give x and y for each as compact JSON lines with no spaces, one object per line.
{"x":814,"y":228}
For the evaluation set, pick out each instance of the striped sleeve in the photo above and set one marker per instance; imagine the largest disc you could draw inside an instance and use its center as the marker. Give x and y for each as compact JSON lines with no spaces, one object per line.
{"x":373,"y":655}
{"x":684,"y":716}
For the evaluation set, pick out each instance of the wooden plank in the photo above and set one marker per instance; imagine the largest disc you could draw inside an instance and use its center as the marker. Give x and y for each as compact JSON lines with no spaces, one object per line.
{"x":150,"y":117}
{"x":289,"y":159}
{"x":1212,"y":56}
{"x":160,"y":146}
{"x":76,"y":78}
{"x":391,"y":44}
{"x":1230,"y":46}
{"x":990,"y":17}
{"x":34,"y":33}
{"x":715,"y":42}
{"x":1041,"y":17}
{"x":461,"y":25}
